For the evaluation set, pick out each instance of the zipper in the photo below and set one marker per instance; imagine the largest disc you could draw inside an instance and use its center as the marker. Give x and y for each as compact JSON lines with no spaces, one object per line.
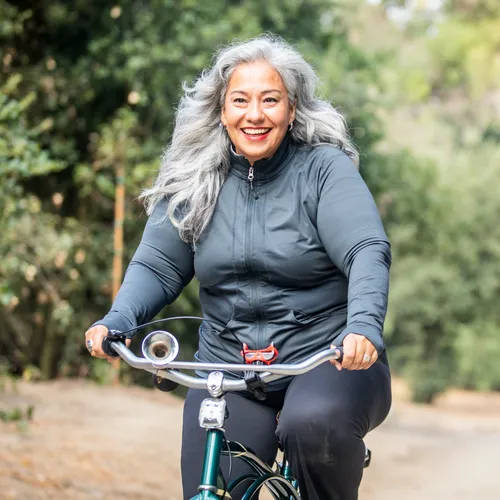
{"x":250,"y":177}
{"x":250,"y":215}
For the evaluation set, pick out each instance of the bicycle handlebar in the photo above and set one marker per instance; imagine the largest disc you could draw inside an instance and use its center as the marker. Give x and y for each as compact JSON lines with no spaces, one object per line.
{"x":269,"y":373}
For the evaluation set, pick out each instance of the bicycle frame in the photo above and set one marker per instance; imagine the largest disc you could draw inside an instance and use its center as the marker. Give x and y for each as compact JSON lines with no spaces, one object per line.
{"x":210,"y":471}
{"x":212,"y":418}
{"x":280,"y":482}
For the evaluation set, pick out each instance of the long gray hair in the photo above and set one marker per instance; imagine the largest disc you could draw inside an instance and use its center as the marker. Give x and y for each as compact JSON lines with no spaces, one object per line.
{"x":196,"y":163}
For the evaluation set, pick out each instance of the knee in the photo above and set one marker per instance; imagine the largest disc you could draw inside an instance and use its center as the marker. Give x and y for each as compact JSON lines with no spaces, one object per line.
{"x":319,"y":433}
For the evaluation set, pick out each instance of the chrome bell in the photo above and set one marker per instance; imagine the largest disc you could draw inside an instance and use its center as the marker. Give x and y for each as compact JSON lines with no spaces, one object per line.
{"x":160,"y":347}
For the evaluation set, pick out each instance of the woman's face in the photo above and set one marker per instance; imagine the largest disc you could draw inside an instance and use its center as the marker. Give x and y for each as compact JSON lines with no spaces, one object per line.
{"x":256,"y":110}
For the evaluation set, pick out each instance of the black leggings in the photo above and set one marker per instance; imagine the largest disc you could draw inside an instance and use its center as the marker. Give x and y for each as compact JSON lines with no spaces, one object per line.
{"x":324,"y":416}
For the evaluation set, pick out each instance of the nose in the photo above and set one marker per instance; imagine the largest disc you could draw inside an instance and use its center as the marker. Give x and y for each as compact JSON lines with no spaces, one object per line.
{"x":254,"y":111}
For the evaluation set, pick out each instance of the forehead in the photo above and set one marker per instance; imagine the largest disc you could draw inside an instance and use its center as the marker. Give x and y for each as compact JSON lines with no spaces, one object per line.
{"x":255,"y":77}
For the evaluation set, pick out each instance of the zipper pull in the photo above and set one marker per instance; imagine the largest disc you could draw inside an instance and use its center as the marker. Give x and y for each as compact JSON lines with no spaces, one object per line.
{"x":250,"y":176}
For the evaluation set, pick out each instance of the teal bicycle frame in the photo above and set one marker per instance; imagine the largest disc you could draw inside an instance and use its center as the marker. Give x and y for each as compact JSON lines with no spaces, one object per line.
{"x":279,"y":482}
{"x":210,"y":471}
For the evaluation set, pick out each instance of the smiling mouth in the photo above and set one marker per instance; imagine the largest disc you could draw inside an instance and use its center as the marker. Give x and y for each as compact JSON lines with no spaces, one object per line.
{"x":256,"y":131}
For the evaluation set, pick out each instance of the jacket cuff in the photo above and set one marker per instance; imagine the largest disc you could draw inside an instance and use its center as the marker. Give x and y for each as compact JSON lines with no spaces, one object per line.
{"x":370,"y":332}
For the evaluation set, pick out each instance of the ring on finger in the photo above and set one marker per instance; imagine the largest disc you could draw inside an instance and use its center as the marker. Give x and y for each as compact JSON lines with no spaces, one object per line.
{"x":367,"y":358}
{"x":89,"y":345}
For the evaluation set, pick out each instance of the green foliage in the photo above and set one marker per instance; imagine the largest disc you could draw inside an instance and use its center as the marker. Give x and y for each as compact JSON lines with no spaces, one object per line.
{"x":11,"y":411}
{"x":21,"y":156}
{"x":443,"y":321}
{"x":443,"y":318}
{"x":31,"y":242}
{"x":17,"y":414}
{"x":466,"y":55}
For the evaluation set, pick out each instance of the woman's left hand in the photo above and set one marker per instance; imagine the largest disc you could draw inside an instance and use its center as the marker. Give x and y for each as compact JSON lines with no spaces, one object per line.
{"x":359,"y":353}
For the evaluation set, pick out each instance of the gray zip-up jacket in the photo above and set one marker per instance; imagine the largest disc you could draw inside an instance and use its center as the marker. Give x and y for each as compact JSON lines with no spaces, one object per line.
{"x":297,"y":257}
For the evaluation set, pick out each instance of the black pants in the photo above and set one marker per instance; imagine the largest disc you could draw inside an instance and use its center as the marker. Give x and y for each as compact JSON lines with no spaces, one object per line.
{"x":324,"y":416}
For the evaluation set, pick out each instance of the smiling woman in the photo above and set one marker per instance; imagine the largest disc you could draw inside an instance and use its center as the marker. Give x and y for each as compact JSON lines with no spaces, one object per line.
{"x":257,"y":111}
{"x":259,"y":196}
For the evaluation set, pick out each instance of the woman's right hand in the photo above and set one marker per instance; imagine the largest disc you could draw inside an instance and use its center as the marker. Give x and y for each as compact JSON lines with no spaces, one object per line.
{"x":93,"y":341}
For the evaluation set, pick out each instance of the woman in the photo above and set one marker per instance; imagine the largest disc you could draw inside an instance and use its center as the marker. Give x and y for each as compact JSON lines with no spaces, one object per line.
{"x":259,"y":197}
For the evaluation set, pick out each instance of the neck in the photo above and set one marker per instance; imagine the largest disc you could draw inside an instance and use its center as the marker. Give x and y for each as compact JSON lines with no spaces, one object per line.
{"x":264,"y":168}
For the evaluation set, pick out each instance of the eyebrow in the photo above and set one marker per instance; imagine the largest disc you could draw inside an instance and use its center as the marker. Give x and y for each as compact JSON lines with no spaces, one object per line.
{"x":263,"y":92}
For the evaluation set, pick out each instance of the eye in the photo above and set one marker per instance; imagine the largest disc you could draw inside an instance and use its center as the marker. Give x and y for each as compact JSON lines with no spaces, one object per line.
{"x":239,"y":100}
{"x":271,"y":99}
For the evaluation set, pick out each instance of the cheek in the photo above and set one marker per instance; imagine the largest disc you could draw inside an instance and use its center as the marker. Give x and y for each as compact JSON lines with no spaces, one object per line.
{"x":228,"y":113}
{"x":233,"y":118}
{"x":282,"y":123}
{"x":282,"y":118}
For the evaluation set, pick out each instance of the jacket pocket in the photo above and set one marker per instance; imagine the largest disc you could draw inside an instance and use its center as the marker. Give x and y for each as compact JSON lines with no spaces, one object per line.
{"x":305,"y":319}
{"x":212,"y":327}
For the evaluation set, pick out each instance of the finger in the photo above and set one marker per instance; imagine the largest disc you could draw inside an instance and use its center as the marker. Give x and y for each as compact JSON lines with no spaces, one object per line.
{"x":89,"y":341}
{"x":350,"y":346}
{"x":369,"y":357}
{"x":97,"y":352}
{"x":370,"y":354}
{"x":357,"y":364}
{"x":93,"y":341}
{"x":335,"y":362}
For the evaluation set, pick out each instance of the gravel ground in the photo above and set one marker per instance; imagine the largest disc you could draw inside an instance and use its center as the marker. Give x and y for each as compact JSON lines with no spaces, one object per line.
{"x":111,"y":443}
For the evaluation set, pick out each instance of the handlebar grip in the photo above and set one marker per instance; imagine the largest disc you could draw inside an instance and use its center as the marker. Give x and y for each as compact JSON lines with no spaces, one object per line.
{"x":341,"y":351}
{"x":112,"y":336}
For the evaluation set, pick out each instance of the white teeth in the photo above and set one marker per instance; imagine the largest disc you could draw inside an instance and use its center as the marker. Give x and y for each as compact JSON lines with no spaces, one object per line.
{"x":256,"y":131}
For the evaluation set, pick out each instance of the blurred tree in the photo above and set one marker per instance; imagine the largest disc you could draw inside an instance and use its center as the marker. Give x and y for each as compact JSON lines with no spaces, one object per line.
{"x":34,"y":245}
{"x":443,"y":319}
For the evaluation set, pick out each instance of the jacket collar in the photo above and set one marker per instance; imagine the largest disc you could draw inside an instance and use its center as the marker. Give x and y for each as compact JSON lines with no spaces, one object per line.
{"x":265,"y":169}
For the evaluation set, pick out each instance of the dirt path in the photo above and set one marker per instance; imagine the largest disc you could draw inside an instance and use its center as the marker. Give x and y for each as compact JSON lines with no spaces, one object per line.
{"x":91,"y":442}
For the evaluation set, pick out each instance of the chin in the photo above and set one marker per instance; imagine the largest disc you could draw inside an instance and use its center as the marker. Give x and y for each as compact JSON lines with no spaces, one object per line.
{"x":260,"y":153}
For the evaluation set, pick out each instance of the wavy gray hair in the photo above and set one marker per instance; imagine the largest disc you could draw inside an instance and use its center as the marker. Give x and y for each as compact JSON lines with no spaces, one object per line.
{"x":196,"y":163}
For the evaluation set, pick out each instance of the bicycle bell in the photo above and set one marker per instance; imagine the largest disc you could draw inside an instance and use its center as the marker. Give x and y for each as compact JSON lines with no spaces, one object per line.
{"x":160,"y":347}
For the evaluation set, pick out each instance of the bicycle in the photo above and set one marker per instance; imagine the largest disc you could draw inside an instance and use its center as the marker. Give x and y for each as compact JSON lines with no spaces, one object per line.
{"x":160,"y":348}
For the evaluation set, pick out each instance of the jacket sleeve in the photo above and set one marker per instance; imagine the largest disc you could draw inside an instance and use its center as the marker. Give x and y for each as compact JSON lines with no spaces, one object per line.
{"x":351,"y":230}
{"x":161,"y":267}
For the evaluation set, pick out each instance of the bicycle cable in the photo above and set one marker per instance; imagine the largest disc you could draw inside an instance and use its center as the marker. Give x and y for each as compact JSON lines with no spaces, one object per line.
{"x":229,"y":468}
